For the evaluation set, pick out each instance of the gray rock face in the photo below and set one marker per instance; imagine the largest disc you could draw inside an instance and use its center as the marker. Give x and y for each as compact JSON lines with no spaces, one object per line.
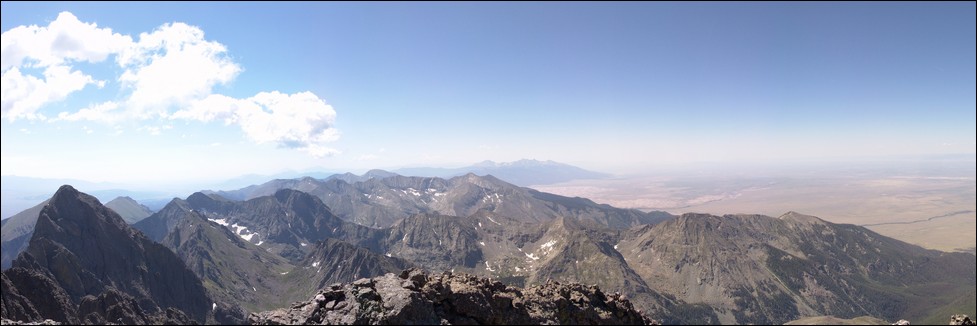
{"x":416,"y":298}
{"x":85,"y":264}
{"x":961,"y":320}
{"x":22,"y":288}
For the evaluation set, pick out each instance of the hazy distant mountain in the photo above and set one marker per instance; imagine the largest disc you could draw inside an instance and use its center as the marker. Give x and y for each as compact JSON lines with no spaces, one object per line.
{"x":16,"y":233}
{"x":372,"y":174}
{"x":250,"y":179}
{"x":106,"y":270}
{"x":130,"y":210}
{"x":523,"y":172}
{"x":20,"y":193}
{"x":381,"y":202}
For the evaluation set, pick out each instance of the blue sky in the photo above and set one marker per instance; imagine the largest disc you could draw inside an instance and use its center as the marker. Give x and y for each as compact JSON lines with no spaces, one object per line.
{"x":191,"y":91}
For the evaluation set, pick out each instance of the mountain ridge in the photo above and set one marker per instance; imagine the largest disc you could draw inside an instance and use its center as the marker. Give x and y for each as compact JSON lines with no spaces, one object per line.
{"x":78,"y":244}
{"x":524,"y":172}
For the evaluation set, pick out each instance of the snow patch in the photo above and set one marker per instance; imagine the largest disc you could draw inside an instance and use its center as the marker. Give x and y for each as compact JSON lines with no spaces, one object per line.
{"x":531,"y":256}
{"x":493,"y":221}
{"x":303,"y":244}
{"x":388,"y":255}
{"x":255,"y":290}
{"x":248,"y":236}
{"x":259,"y":243}
{"x":213,"y":307}
{"x":284,"y":273}
{"x":315,"y":264}
{"x":220,"y":221}
{"x":481,"y":243}
{"x":548,"y":245}
{"x":488,"y":267}
{"x":615,"y":247}
{"x":480,"y":224}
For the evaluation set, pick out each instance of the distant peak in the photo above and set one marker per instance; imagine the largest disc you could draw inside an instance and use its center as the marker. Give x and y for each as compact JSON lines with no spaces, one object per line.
{"x":199,"y":196}
{"x":795,"y":216}
{"x":379,"y":173}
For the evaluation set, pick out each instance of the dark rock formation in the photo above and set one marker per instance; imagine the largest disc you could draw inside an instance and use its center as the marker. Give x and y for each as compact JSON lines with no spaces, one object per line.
{"x":31,"y":295}
{"x":85,"y":264}
{"x":414,"y":298}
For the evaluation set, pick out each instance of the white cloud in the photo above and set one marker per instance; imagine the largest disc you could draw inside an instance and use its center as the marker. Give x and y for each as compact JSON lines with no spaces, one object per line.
{"x":52,"y":49}
{"x":173,"y":65}
{"x":23,"y":94}
{"x":172,"y":68}
{"x":301,"y":120}
{"x":96,"y":112}
{"x":64,"y":39}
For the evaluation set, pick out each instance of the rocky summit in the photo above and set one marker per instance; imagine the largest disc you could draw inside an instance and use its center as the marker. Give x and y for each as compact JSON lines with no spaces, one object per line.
{"x":415,"y":297}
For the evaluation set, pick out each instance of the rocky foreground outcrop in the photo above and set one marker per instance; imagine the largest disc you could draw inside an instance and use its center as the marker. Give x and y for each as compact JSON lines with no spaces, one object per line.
{"x":415,"y":297}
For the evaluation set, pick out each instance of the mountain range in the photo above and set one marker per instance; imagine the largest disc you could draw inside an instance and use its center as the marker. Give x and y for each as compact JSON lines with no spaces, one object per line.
{"x":382,"y":201}
{"x":522,"y":172}
{"x":265,"y":246}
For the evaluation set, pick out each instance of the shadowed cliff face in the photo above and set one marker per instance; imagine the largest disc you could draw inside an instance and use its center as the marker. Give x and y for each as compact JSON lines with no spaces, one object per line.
{"x":87,"y":250}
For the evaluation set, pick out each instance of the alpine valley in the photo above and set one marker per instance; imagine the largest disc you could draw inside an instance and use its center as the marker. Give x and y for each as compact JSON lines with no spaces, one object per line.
{"x":385,"y":248}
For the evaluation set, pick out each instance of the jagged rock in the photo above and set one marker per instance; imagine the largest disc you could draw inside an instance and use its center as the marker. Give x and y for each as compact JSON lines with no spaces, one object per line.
{"x":961,"y":320}
{"x":414,"y":297}
{"x":6,"y":321}
{"x":111,"y":306}
{"x":31,"y":295}
{"x":85,"y":264}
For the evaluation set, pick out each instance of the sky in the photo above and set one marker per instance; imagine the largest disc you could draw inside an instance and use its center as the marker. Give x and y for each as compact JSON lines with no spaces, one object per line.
{"x":166,"y":92}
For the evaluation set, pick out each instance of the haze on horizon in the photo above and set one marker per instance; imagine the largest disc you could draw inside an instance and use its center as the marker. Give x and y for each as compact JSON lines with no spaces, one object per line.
{"x":151,"y":92}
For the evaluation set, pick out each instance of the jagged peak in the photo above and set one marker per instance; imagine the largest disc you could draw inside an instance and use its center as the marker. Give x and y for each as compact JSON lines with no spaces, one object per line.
{"x":70,"y":204}
{"x":65,"y":191}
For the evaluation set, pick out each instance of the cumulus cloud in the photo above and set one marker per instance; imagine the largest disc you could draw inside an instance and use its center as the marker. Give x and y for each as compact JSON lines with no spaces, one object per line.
{"x":51,"y":49}
{"x":23,"y":94}
{"x":169,"y":73}
{"x":302,"y":121}
{"x":96,"y":112}
{"x":172,"y":66}
{"x":64,"y":40}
